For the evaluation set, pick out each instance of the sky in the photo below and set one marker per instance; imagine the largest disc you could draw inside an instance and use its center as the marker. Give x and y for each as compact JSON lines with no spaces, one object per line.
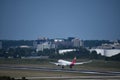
{"x":84,"y":19}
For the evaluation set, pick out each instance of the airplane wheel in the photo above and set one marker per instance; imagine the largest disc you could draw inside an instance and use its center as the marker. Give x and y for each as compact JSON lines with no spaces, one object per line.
{"x":62,"y":67}
{"x":70,"y":66}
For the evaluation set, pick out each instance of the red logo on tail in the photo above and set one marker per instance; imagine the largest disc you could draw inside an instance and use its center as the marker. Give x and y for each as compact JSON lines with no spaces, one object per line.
{"x":74,"y":61}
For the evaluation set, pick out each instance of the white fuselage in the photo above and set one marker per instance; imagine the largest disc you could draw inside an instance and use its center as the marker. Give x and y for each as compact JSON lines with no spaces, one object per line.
{"x":63,"y":62}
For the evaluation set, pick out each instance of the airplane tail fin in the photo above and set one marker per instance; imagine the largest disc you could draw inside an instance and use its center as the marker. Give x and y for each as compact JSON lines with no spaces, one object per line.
{"x":73,"y":62}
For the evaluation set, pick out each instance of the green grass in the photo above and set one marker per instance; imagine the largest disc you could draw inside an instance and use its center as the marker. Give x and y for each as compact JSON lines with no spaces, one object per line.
{"x":23,"y":61}
{"x":98,"y":65}
{"x":31,"y":73}
{"x":94,"y":65}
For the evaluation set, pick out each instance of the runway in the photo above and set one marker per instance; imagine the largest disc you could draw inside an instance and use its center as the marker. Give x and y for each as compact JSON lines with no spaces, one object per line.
{"x":76,"y":78}
{"x":105,"y":73}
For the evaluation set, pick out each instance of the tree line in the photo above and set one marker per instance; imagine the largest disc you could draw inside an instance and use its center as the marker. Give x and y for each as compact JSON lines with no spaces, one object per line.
{"x":17,"y":52}
{"x":81,"y":53}
{"x":14,"y":43}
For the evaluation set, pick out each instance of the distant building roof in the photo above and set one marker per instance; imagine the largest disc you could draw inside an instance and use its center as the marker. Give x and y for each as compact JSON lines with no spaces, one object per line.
{"x":66,"y":50}
{"x":24,"y":46}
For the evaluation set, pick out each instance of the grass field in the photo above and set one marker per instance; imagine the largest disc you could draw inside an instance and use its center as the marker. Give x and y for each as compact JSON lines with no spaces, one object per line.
{"x":96,"y":65}
{"x":31,"y":73}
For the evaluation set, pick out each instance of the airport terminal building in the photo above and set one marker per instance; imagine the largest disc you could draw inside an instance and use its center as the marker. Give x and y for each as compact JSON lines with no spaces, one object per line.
{"x":107,"y":50}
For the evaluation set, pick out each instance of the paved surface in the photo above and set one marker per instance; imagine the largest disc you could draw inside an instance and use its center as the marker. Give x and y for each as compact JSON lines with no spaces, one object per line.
{"x":105,"y":73}
{"x":77,"y":77}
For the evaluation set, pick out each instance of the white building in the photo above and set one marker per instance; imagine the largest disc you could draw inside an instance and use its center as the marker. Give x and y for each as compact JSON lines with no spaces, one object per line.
{"x":66,"y":50}
{"x":107,"y":52}
{"x":41,"y":47}
{"x":45,"y":45}
{"x":110,"y":46}
{"x":58,"y":40}
{"x":24,"y":46}
{"x":77,"y":42}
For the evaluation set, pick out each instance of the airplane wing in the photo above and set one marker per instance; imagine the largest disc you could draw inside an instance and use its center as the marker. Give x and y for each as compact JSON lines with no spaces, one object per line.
{"x":82,"y":62}
{"x":54,"y":63}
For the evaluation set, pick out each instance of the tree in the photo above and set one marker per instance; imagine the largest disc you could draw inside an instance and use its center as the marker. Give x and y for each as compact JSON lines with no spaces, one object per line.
{"x":93,"y":55}
{"x":2,"y":52}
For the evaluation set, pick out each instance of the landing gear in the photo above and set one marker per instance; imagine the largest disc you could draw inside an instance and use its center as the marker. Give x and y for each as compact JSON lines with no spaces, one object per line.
{"x":70,"y":67}
{"x":58,"y":65}
{"x":62,"y":67}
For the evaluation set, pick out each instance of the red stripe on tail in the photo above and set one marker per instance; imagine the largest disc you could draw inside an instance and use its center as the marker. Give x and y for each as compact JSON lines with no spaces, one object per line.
{"x":74,"y":61}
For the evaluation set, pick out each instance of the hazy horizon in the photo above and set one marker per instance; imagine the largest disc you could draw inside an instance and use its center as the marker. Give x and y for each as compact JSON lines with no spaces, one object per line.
{"x":84,"y":19}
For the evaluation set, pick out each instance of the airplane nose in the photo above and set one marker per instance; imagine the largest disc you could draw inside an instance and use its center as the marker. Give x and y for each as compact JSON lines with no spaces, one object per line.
{"x":59,"y":60}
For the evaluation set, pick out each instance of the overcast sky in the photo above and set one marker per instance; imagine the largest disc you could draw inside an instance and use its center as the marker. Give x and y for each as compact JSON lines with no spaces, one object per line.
{"x":85,"y":19}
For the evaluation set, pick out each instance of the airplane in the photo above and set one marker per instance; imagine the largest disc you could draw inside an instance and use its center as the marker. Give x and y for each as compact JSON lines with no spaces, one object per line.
{"x":64,"y":63}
